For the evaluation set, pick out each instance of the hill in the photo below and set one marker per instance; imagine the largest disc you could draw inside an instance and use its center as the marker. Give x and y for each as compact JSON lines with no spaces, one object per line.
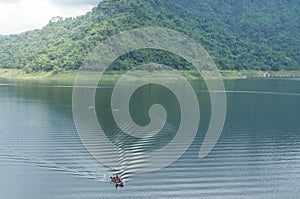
{"x":1,"y":38}
{"x":63,"y":44}
{"x":272,"y":23}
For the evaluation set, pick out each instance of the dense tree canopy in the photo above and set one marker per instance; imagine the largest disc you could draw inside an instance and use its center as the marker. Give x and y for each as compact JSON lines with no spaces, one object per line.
{"x":272,"y":23}
{"x":225,"y":28}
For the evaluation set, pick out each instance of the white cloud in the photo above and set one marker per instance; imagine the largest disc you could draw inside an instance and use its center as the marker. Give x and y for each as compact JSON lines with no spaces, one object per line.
{"x":21,"y":15}
{"x":74,"y":2}
{"x":8,"y":1}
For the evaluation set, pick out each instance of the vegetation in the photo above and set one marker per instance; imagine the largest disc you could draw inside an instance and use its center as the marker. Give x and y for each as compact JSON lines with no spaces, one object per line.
{"x":69,"y":75}
{"x":1,"y":38}
{"x":272,"y":23}
{"x":233,"y":42}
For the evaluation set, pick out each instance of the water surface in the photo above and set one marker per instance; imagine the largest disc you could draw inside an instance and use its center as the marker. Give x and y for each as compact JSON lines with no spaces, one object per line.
{"x":257,"y":156}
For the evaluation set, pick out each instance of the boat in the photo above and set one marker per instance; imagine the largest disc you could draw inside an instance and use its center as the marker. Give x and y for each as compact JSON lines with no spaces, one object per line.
{"x":120,"y":184}
{"x":117,"y":181}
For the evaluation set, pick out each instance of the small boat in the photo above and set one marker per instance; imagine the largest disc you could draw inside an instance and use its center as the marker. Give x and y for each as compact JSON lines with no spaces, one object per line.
{"x":117,"y":181}
{"x":120,"y":184}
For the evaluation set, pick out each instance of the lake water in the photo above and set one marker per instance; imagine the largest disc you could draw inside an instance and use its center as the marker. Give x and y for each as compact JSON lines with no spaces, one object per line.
{"x":257,"y":155}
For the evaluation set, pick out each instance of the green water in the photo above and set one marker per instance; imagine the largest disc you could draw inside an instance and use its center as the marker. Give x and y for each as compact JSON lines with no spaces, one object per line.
{"x":257,"y":155}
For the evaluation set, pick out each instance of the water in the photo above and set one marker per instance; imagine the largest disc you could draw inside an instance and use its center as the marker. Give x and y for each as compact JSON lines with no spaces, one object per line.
{"x":257,"y":156}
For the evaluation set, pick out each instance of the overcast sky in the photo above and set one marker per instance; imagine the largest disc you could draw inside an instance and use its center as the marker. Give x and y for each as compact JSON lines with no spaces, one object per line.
{"x":17,"y":16}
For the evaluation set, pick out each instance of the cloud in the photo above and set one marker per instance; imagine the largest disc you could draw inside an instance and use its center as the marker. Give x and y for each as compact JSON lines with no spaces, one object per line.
{"x":9,"y":1}
{"x":76,"y":2}
{"x":17,"y":16}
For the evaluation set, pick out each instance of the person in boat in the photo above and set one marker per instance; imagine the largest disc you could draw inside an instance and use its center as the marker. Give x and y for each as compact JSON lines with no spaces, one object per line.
{"x":117,"y":178}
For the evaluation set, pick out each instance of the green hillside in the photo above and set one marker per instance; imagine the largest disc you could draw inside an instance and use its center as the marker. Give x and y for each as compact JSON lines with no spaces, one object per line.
{"x":63,"y":44}
{"x":1,"y":38}
{"x":273,"y":23}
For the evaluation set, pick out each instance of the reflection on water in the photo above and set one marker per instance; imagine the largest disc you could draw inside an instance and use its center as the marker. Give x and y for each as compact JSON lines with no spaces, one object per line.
{"x":257,"y":156}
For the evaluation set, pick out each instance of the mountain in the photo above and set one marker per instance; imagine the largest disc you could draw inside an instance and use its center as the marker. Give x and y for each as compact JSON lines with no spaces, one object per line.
{"x":272,"y":23}
{"x":1,"y":38}
{"x":64,"y":43}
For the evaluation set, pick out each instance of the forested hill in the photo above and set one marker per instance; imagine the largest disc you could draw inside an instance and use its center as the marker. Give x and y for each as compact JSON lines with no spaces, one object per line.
{"x":63,"y":44}
{"x":1,"y":38}
{"x":273,"y":23}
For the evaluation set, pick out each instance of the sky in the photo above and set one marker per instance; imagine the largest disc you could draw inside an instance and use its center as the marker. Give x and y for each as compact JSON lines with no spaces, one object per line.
{"x":18,"y":16}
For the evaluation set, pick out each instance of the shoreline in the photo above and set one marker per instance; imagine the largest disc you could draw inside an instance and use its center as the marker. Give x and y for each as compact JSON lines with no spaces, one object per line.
{"x":19,"y":74}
